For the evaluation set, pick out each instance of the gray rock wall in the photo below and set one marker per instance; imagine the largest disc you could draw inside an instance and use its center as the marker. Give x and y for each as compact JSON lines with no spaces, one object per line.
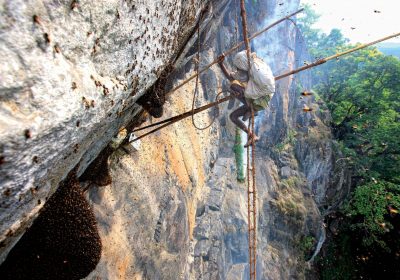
{"x":70,"y":73}
{"x":295,"y":162}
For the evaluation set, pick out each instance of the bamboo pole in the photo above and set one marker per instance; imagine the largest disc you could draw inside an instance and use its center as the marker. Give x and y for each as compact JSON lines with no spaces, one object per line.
{"x":180,"y":117}
{"x":228,"y":52}
{"x":323,"y":60}
{"x":205,"y":107}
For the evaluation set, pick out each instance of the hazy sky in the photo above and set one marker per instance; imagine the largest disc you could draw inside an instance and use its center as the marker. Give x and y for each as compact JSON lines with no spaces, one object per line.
{"x":372,"y":19}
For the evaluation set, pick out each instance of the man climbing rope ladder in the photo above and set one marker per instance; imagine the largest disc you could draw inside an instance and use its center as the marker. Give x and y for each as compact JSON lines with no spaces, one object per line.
{"x":253,"y":88}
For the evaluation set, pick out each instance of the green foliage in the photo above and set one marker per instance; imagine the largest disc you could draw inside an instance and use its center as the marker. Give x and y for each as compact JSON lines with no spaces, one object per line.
{"x":369,"y":209}
{"x":238,"y":149}
{"x":292,"y":182}
{"x":290,"y":203}
{"x":289,"y":140}
{"x":280,"y":146}
{"x":338,"y":263}
{"x":306,"y":20}
{"x":306,"y":246}
{"x":291,"y":137}
{"x":362,"y":92}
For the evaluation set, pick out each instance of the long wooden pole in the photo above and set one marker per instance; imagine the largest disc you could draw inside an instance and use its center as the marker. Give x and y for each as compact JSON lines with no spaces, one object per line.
{"x":205,"y":107}
{"x":228,"y":52}
{"x":323,"y":60}
{"x":180,"y":117}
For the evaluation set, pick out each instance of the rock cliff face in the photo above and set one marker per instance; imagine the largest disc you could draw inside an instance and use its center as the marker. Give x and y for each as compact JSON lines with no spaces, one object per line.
{"x":71,"y":71}
{"x":173,"y":209}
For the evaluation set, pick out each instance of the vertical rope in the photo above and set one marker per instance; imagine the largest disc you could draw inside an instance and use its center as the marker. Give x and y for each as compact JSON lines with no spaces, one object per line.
{"x":196,"y":88}
{"x":254,"y":190}
{"x":251,"y":188}
{"x":249,"y":217}
{"x":197,"y":67}
{"x":245,"y":34}
{"x":236,"y":23}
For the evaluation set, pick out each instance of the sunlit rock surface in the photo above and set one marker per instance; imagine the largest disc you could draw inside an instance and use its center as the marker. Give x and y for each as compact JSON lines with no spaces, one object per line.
{"x":70,"y":72}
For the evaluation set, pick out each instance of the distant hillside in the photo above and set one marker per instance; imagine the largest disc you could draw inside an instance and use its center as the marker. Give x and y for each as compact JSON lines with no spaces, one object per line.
{"x":390,"y":49}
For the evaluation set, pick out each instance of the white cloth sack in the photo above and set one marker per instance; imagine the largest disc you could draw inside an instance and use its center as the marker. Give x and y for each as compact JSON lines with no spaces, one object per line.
{"x":261,"y":82}
{"x":261,"y":79}
{"x":240,"y":60}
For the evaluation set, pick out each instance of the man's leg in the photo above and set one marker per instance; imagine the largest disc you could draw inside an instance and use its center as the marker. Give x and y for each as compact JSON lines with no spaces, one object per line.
{"x":243,"y":112}
{"x":235,"y":118}
{"x":237,"y":114}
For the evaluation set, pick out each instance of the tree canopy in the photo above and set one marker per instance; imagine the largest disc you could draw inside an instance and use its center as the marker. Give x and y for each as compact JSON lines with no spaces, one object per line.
{"x":362,"y":92}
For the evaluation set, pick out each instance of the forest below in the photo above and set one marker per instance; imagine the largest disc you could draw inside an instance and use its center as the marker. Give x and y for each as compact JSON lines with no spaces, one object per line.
{"x":361,"y":91}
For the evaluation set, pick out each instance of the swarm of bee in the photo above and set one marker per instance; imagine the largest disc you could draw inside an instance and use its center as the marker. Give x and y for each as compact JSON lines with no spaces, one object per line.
{"x":154,"y":99}
{"x":62,"y":243}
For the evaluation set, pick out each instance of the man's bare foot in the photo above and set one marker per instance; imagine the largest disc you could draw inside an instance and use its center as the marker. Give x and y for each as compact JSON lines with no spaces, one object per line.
{"x":252,"y":139}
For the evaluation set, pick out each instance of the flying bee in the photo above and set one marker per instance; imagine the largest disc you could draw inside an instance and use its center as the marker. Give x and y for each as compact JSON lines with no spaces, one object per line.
{"x":57,"y":48}
{"x":35,"y":159}
{"x":27,"y":134}
{"x":37,"y":20}
{"x":306,"y":93}
{"x":383,"y":226}
{"x":86,"y":102}
{"x":74,"y":5}
{"x":307,"y":109}
{"x":7,"y":192}
{"x":33,"y":191}
{"x":46,"y":37}
{"x":392,"y":211}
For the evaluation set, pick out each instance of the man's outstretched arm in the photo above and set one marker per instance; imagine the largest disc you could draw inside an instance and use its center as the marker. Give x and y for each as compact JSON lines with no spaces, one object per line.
{"x":228,"y":75}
